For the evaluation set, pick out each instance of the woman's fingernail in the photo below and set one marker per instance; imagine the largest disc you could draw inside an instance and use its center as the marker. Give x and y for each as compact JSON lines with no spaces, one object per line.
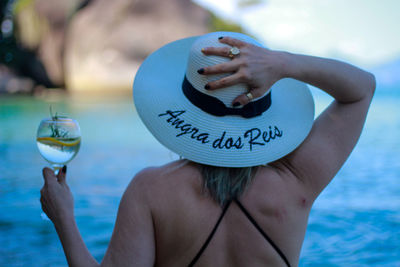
{"x":200,"y":71}
{"x":64,"y":169}
{"x":236,"y":104}
{"x":207,"y":87}
{"x":219,"y":38}
{"x":203,"y":50}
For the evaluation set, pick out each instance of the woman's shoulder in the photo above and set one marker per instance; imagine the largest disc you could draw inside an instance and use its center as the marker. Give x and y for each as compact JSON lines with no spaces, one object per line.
{"x":170,"y":174}
{"x":175,"y":182}
{"x":171,"y":168}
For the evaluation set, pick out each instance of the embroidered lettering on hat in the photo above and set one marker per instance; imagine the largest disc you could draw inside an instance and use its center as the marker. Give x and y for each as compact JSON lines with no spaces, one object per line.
{"x":252,"y":137}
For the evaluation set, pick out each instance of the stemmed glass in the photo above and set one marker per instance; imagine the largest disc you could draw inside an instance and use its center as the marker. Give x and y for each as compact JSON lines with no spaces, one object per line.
{"x":58,"y":139}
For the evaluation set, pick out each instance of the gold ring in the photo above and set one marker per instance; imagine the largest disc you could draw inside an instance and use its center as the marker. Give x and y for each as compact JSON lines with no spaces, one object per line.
{"x":233,"y":52}
{"x":250,"y":96}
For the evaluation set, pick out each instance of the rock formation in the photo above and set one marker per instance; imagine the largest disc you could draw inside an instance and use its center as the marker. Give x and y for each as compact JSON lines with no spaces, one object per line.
{"x":107,"y":40}
{"x":99,"y":44}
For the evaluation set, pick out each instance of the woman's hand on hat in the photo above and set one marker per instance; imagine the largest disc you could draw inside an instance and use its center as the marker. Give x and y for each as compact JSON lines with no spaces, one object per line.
{"x":255,"y":66}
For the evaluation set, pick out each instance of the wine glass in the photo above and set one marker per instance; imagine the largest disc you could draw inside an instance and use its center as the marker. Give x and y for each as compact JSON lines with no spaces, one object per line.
{"x":58,"y":139}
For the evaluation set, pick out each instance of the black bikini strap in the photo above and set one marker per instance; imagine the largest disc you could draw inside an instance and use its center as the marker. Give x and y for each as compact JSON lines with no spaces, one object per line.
{"x":262,"y":232}
{"x":211,"y":234}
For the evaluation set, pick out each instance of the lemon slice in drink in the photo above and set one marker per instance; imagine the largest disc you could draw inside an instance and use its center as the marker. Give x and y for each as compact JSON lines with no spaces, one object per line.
{"x":63,"y":142}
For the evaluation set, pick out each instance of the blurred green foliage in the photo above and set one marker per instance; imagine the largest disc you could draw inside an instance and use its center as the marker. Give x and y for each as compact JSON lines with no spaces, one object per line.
{"x":16,"y":52}
{"x":19,"y":5}
{"x":249,"y":3}
{"x":8,"y":45}
{"x":219,"y":24}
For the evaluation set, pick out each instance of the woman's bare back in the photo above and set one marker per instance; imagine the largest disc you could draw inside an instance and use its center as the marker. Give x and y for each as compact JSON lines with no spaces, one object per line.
{"x":184,"y":214}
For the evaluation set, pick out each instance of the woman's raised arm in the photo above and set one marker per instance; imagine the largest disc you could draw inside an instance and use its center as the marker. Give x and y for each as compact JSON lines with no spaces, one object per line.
{"x":334,"y":133}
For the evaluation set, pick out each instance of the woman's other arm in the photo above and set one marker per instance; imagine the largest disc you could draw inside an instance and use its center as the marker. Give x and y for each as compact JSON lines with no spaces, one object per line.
{"x":58,"y":204}
{"x":132,"y":242}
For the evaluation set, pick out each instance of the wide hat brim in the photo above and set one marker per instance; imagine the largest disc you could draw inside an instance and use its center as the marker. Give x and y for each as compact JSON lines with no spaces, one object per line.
{"x":228,"y":141}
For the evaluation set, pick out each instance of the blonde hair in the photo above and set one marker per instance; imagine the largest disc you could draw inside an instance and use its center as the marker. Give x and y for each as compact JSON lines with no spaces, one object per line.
{"x":225,"y":184}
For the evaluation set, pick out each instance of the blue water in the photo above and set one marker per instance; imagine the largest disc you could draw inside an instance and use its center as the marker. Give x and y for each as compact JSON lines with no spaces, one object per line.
{"x":355,"y":222}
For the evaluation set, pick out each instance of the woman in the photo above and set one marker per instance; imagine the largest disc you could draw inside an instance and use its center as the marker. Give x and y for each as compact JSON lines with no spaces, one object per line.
{"x":253,"y":165}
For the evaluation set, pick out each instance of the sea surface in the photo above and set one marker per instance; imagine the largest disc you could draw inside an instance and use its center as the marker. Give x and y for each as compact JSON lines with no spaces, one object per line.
{"x":354,"y":222}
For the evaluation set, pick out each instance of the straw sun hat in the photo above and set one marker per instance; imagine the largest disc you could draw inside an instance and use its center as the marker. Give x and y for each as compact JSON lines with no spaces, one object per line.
{"x":170,"y":99}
